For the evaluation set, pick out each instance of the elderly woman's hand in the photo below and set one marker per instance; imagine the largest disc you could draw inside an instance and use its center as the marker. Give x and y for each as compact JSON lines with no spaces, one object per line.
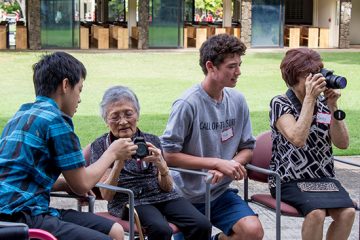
{"x":332,"y":95}
{"x":156,"y":158}
{"x":315,"y":85}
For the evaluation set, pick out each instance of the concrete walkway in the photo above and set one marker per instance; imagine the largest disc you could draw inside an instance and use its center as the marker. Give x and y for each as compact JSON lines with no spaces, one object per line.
{"x":290,"y":226}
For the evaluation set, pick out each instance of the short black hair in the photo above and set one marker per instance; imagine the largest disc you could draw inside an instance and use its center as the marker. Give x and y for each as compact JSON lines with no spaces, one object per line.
{"x":219,"y":47}
{"x":52,"y":69}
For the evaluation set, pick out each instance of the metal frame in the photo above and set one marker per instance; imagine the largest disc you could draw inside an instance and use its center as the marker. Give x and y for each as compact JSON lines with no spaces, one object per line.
{"x":278,"y":191}
{"x":208,"y":178}
{"x":131,"y":204}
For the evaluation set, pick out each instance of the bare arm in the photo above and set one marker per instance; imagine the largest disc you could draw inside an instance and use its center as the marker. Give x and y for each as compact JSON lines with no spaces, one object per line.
{"x":111,"y":177}
{"x":338,"y":130}
{"x":81,"y":180}
{"x":297,"y":132}
{"x":218,"y":167}
{"x":60,"y":185}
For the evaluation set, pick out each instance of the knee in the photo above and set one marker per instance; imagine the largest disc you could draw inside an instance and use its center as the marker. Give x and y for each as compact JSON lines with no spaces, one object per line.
{"x":117,"y":232}
{"x":254,"y":232}
{"x":249,"y":229}
{"x":160,"y":231}
{"x":317,"y":216}
{"x":347,"y":214}
{"x":203,"y":225}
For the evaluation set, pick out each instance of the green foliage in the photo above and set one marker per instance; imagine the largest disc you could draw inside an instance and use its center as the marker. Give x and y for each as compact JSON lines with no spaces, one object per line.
{"x":117,"y":9}
{"x":10,"y":7}
{"x":210,"y":6}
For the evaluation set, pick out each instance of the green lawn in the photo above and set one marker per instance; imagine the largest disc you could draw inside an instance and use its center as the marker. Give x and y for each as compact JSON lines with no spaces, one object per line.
{"x":159,"y":78}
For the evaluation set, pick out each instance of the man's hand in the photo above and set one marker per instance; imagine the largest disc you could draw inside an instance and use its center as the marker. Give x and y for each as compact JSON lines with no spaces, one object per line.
{"x":122,"y":149}
{"x":217,"y":176}
{"x":231,"y":168}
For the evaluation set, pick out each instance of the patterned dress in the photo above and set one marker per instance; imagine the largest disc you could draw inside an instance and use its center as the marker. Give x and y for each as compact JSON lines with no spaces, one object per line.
{"x":143,"y":182}
{"x":307,"y":173}
{"x":314,"y":160}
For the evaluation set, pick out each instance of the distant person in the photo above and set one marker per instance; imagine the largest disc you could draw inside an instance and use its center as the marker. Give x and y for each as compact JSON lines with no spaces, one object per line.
{"x":303,"y":131}
{"x":197,"y":17}
{"x":145,"y":173}
{"x":209,"y":130}
{"x":210,"y":18}
{"x":38,"y":144}
{"x":58,"y":16}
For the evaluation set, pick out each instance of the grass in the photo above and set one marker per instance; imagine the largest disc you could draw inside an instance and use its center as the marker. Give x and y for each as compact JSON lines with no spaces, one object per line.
{"x":159,"y":78}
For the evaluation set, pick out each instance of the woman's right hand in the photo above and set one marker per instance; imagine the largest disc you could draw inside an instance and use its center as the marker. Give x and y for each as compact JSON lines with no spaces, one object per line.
{"x":314,"y":85}
{"x":122,"y":148}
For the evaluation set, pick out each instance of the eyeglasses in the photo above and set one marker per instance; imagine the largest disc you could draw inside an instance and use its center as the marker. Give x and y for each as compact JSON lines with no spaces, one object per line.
{"x":116,"y":118}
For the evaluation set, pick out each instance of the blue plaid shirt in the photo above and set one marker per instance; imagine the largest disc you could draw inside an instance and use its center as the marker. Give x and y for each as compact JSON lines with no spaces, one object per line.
{"x":36,"y":145}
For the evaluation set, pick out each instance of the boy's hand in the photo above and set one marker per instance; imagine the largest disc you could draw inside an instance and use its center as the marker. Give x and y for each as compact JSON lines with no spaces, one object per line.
{"x":123,"y":149}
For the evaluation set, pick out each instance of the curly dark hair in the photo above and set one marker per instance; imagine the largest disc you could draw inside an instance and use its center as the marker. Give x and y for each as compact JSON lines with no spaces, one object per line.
{"x":299,"y":62}
{"x":52,"y":69}
{"x":219,"y":47}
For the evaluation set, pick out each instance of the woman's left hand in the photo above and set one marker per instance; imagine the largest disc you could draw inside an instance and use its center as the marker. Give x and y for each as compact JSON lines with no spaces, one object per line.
{"x":155,"y":157}
{"x":332,"y":95}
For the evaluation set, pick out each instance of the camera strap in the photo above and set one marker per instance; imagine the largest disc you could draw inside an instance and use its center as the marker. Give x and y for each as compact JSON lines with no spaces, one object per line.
{"x":294,"y":100}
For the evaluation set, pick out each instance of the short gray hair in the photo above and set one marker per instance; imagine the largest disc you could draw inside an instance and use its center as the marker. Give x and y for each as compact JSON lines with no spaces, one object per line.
{"x":117,"y":94}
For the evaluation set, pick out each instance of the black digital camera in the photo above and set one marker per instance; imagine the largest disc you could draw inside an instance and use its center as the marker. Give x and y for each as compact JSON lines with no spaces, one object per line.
{"x":142,"y":150}
{"x":332,"y":80}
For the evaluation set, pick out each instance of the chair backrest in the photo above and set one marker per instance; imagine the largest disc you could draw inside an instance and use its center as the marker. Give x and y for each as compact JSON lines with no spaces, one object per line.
{"x":261,"y":156}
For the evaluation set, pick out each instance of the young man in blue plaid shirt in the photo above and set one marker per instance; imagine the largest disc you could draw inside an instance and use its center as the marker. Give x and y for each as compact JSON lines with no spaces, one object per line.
{"x":38,"y":144}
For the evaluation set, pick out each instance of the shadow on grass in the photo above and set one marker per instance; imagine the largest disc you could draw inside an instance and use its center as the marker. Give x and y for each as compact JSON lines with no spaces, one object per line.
{"x":88,"y":128}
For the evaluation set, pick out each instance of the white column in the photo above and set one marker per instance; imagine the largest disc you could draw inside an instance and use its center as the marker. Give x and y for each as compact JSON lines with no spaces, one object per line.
{"x":227,"y":13}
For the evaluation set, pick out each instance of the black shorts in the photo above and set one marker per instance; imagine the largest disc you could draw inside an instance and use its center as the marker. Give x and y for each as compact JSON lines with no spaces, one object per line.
{"x":69,"y":225}
{"x":305,"y":201}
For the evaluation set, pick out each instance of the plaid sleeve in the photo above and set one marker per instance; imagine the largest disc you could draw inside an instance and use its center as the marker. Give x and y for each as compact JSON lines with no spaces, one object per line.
{"x":64,"y":145}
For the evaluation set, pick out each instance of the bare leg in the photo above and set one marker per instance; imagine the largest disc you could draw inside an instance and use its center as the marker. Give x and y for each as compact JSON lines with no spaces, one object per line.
{"x":312,"y":228}
{"x":340,"y":228}
{"x":117,"y":232}
{"x":246,"y":228}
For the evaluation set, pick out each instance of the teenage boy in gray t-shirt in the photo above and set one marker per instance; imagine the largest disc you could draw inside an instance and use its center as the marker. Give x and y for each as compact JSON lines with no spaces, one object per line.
{"x":209,"y":129}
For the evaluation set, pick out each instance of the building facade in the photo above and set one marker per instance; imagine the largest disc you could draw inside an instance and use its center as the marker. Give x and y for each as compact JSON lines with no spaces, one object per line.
{"x":55,"y":24}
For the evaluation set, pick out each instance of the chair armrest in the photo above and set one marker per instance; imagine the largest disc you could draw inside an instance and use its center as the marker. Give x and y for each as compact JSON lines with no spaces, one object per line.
{"x":277,"y":184}
{"x":208,"y":178}
{"x":347,"y":161}
{"x":89,"y":199}
{"x":261,"y":170}
{"x":131,"y":203}
{"x":13,"y":230}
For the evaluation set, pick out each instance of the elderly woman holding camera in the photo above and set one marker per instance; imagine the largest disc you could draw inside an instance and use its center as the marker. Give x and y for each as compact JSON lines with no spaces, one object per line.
{"x":303,"y":131}
{"x":146,"y":174}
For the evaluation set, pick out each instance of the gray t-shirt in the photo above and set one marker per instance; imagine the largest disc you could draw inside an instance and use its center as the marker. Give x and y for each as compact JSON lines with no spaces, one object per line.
{"x":200,"y":126}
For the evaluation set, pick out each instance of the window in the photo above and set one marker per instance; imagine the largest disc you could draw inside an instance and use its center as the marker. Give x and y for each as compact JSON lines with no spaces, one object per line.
{"x":298,"y":12}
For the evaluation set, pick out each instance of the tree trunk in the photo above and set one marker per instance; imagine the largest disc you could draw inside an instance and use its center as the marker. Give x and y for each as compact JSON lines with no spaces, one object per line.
{"x":33,"y":24}
{"x":143,"y":7}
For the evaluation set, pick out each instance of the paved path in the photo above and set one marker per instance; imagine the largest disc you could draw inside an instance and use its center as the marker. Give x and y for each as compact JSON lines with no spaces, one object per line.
{"x":290,"y":226}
